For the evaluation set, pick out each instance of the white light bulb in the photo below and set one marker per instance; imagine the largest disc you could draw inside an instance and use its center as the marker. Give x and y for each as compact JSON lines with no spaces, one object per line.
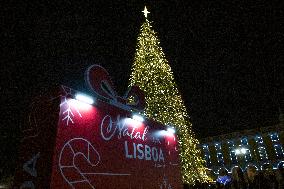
{"x":171,"y":130}
{"x":138,"y":118}
{"x":84,"y":98}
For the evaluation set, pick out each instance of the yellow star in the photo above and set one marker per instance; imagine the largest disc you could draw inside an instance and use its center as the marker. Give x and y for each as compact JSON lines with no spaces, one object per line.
{"x":145,"y":11}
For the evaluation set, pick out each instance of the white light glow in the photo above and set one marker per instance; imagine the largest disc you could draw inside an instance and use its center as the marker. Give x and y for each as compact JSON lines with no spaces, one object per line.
{"x":163,"y":133}
{"x":84,"y":98}
{"x":171,"y":130}
{"x":138,"y":118}
{"x":237,"y":151}
{"x":243,"y":150}
{"x":79,"y":105}
{"x":132,"y":123}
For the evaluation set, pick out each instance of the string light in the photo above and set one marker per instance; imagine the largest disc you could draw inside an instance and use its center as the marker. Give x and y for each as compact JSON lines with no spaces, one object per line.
{"x":152,"y":73}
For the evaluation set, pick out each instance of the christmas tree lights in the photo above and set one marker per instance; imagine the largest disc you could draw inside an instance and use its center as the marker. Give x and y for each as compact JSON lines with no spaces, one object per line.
{"x":152,"y":73}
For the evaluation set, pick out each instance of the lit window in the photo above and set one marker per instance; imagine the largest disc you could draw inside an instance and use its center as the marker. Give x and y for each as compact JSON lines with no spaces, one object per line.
{"x":220,"y":157}
{"x":262,"y":153}
{"x":278,"y":150}
{"x":247,"y":153}
{"x":276,"y":144}
{"x":274,"y":137}
{"x":258,"y":139}
{"x":218,"y":146}
{"x":232,"y":151}
{"x":206,"y":154}
{"x":261,"y":148}
{"x":244,"y":141}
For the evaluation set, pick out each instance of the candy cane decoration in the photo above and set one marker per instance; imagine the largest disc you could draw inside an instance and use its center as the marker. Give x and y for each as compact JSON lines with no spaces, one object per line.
{"x":80,"y":147}
{"x":89,"y":153}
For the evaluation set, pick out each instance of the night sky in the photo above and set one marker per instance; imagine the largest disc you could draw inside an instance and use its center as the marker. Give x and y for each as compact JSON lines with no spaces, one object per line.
{"x":227,"y":57}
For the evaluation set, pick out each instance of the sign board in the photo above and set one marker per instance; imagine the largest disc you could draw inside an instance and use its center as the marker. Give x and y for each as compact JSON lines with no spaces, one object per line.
{"x":101,"y":145}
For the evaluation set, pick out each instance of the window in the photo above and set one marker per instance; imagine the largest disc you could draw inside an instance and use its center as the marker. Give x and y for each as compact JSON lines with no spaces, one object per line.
{"x":274,"y":137}
{"x":220,"y":157}
{"x":262,"y":153}
{"x":276,"y":144}
{"x":244,"y":142}
{"x":232,"y":151}
{"x":278,"y":150}
{"x":258,"y":139}
{"x":261,"y":148}
{"x":206,"y":154}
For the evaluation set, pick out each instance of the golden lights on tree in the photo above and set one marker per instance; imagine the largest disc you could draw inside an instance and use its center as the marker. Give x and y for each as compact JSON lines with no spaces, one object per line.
{"x":152,"y":73}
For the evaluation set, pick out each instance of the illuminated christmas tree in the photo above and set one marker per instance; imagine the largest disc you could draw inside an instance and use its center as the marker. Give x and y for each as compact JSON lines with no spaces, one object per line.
{"x":152,"y":73}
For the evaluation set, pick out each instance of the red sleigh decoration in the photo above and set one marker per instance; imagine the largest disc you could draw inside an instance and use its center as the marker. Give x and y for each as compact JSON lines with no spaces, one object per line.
{"x":99,"y":81}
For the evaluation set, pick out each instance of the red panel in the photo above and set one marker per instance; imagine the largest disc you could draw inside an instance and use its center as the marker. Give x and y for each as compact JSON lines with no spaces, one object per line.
{"x":100,"y":146}
{"x":69,"y":144}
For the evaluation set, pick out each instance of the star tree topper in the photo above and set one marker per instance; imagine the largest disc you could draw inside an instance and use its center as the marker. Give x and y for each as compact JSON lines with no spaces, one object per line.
{"x":145,"y":11}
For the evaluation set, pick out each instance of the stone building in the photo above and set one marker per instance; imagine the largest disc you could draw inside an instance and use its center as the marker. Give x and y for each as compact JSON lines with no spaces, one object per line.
{"x":258,"y":146}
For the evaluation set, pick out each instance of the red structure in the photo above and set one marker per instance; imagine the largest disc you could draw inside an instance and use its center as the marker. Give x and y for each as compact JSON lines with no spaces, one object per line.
{"x":75,"y":141}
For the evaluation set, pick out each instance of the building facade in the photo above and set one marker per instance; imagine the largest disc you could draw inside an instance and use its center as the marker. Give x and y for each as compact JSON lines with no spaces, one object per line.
{"x":259,"y":146}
